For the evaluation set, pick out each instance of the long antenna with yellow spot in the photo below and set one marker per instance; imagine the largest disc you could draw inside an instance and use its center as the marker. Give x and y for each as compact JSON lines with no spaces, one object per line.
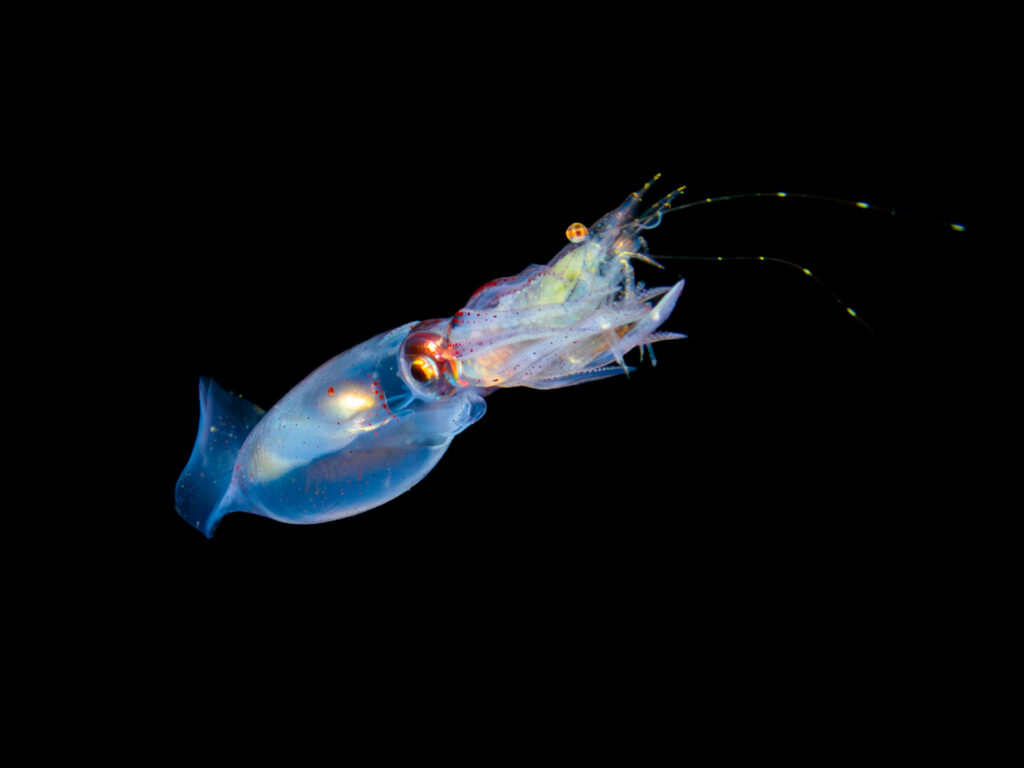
{"x":826,"y":198}
{"x":799,"y":195}
{"x":849,"y":310}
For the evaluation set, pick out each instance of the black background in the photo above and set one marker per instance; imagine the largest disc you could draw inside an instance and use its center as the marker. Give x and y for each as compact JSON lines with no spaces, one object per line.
{"x":780,"y":419}
{"x":778,"y":414}
{"x":753,"y":515}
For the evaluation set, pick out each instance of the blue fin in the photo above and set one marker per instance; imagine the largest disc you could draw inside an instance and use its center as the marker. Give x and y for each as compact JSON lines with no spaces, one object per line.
{"x":224,"y":423}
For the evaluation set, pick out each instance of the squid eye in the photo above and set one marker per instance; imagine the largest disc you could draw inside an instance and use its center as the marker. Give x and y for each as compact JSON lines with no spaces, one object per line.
{"x":423,"y":369}
{"x":426,"y":365}
{"x":576,"y":233}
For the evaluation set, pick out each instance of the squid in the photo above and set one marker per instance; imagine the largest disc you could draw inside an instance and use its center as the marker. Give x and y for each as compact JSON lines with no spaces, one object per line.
{"x":370,"y":423}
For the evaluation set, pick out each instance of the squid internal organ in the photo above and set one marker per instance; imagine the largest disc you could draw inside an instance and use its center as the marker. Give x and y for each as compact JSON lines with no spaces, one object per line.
{"x":370,"y":423}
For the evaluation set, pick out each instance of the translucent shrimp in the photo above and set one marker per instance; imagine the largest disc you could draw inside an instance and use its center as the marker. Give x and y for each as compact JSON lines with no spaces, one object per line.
{"x":370,"y":423}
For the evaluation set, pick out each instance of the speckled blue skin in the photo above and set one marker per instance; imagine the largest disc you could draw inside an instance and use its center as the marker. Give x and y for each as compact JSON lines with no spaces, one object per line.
{"x":314,"y":457}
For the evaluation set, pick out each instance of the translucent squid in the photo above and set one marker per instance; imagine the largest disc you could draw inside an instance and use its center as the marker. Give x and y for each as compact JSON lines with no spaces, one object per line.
{"x":370,"y":423}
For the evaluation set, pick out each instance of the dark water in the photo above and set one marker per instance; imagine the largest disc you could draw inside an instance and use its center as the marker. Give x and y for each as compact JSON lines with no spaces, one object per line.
{"x":758,"y":507}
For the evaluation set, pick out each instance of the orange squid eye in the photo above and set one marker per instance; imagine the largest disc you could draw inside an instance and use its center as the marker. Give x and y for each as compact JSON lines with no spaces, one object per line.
{"x":576,"y":233}
{"x":423,"y":369}
{"x":427,"y":365}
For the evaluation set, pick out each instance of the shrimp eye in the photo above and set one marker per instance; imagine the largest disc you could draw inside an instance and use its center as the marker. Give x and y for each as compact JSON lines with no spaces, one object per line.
{"x":427,"y":366}
{"x":576,"y":233}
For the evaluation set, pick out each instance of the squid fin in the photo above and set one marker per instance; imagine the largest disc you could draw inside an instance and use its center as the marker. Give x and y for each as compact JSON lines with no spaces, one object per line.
{"x":203,"y":493}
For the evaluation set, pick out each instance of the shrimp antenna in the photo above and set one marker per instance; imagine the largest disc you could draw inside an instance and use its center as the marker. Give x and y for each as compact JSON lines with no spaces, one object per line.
{"x":805,"y":196}
{"x":792,"y":264}
{"x":849,"y":310}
